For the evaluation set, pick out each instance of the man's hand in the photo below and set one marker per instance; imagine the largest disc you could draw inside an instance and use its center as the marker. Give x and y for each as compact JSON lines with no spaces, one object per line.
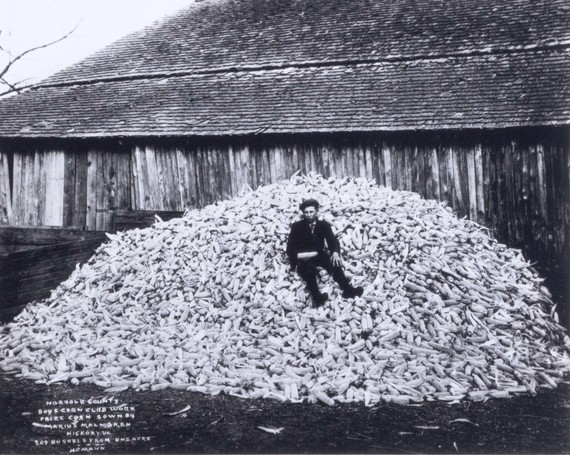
{"x":336,"y":260}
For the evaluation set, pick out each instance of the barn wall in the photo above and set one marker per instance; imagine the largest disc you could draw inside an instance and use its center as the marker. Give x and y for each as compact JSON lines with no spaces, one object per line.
{"x":517,"y":186}
{"x":515,"y":182}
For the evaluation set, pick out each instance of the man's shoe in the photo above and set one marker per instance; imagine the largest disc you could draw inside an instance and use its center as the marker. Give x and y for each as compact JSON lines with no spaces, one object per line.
{"x":352,"y":292}
{"x":319,"y":300}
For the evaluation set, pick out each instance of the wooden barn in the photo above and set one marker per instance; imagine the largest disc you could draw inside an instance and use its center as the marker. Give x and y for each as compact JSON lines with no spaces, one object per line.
{"x":459,"y":101}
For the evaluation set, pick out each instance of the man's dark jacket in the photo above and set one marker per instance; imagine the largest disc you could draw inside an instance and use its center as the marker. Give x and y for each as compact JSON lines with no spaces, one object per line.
{"x":302,"y":240}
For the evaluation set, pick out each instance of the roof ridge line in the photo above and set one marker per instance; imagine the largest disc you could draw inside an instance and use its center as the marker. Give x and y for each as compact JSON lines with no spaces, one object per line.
{"x":561,"y":45}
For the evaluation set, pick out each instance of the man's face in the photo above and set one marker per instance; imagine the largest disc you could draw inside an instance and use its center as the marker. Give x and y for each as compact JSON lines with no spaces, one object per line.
{"x":310,"y":213}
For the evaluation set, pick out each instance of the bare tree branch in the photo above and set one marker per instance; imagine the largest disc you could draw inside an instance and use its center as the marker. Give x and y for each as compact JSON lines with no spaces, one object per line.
{"x":14,"y":87}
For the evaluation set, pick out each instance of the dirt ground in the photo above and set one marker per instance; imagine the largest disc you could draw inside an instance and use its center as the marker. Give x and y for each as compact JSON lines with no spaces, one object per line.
{"x":227,"y":424}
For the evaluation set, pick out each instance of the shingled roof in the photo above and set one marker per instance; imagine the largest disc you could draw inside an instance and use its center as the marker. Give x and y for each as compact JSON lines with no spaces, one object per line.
{"x":224,"y":67}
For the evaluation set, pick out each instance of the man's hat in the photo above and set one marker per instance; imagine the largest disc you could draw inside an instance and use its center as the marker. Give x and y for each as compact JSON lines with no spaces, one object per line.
{"x":309,"y":203}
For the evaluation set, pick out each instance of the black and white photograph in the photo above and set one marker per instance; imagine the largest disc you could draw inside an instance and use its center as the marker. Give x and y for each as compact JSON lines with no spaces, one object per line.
{"x":284,"y":226}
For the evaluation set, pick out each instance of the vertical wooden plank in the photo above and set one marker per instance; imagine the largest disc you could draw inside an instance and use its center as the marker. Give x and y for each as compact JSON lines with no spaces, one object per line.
{"x":379,"y":163}
{"x":413,"y":170}
{"x":234,"y":181}
{"x":43,"y":202}
{"x":256,"y":171}
{"x":69,"y":187}
{"x":248,"y":166}
{"x":197,"y":163}
{"x":278,"y":163}
{"x":526,"y":198}
{"x":91,"y":212}
{"x":158,"y":178}
{"x":306,"y":154}
{"x":343,"y":159}
{"x":37,"y":188}
{"x":400,"y":161}
{"x":326,"y":159}
{"x":357,"y":159}
{"x":443,"y":174}
{"x":463,"y":179}
{"x":286,"y":160}
{"x":366,"y":165}
{"x":42,"y":189}
{"x":451,"y":177}
{"x":432,"y":174}
{"x":165,"y":179}
{"x":112,"y":186}
{"x":203,"y":182}
{"x":143,"y":180}
{"x":502,"y":193}
{"x":294,"y":157}
{"x":168,"y":181}
{"x":272,"y":157}
{"x":407,"y":167}
{"x":365,"y":161}
{"x":455,"y":178}
{"x":153,"y":193}
{"x":320,"y":159}
{"x":80,"y":199}
{"x":428,"y":172}
{"x":227,"y":179}
{"x":123,"y":166}
{"x":566,"y":200}
{"x":510,"y":192}
{"x":218,"y":171}
{"x":54,"y":189}
{"x":423,"y":158}
{"x":551,"y":184}
{"x":471,"y":183}
{"x":159,"y":192}
{"x":188,"y":177}
{"x":541,"y":177}
{"x":23,"y":193}
{"x":368,"y":161}
{"x":479,"y":184}
{"x":489,"y":188}
{"x":519,"y":213}
{"x":352,"y":159}
{"x":134,"y":178}
{"x":183,"y":179}
{"x":316,"y":162}
{"x":30,"y":216}
{"x":174,"y":201}
{"x":5,"y":190}
{"x":387,"y":158}
{"x":211,"y":180}
{"x":335,"y":156}
{"x":140,"y":178}
{"x":395,"y":161}
{"x":267,"y":177}
{"x":17,"y":189}
{"x":565,"y":252}
{"x":301,"y":158}
{"x":101,"y":190}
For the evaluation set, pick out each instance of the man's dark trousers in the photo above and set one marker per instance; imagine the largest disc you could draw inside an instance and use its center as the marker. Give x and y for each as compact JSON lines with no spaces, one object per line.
{"x":307,"y":269}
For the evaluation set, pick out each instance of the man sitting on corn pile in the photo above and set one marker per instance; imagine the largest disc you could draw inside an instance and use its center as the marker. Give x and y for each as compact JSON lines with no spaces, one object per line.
{"x":306,"y":251}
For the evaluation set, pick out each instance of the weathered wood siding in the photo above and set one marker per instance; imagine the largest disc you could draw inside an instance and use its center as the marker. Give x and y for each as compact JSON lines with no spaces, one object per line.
{"x":5,"y":190}
{"x":518,"y":184}
{"x":37,"y":191}
{"x":33,"y":261}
